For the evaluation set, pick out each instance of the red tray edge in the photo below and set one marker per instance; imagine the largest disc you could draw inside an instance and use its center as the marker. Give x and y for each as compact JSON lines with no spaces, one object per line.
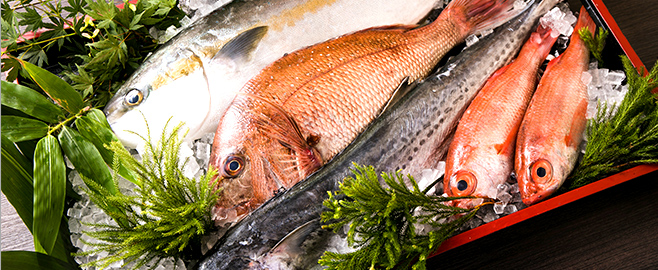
{"x":544,"y":206}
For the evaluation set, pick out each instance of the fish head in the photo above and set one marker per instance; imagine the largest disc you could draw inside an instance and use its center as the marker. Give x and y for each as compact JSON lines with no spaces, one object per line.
{"x":469,"y":182}
{"x":540,"y":174}
{"x":258,"y":154}
{"x":178,"y":91}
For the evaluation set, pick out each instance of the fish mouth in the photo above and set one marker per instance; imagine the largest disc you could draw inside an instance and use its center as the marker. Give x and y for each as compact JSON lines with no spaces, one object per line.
{"x":114,"y":109}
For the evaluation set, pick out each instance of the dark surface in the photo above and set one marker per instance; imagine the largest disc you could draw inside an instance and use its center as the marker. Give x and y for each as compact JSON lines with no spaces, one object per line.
{"x":638,"y":20}
{"x":613,"y":229}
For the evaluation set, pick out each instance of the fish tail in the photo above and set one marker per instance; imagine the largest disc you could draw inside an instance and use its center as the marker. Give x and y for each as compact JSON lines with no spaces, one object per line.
{"x":543,"y":39}
{"x":481,"y":15}
{"x":584,"y":20}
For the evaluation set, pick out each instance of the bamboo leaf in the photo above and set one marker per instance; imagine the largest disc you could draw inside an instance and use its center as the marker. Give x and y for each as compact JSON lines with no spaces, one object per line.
{"x":33,"y":260}
{"x":49,"y":192}
{"x":57,"y":89}
{"x":18,"y":129}
{"x":86,"y":158}
{"x":101,"y":136}
{"x":17,"y":180}
{"x":30,"y":102}
{"x":98,"y":116}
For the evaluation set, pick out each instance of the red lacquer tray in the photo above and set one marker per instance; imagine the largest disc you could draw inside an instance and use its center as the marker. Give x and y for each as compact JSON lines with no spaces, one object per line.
{"x":599,"y":13}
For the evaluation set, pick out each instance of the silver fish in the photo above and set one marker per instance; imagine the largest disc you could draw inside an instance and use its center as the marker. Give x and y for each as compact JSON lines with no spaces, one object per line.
{"x":411,"y":135}
{"x":194,"y":76}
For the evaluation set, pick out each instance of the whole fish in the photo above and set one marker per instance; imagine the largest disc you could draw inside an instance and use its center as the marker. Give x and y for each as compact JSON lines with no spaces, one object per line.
{"x":195,"y":75}
{"x":410,"y":135}
{"x":552,"y":128}
{"x":481,"y":155}
{"x":303,"y":109}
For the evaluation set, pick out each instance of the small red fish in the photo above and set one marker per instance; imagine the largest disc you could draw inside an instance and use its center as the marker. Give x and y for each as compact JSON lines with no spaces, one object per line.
{"x":552,"y":128}
{"x":481,"y":155}
{"x":306,"y":107}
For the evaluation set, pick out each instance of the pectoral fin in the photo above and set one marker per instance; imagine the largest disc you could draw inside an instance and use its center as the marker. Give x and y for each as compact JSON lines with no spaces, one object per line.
{"x":403,"y":88}
{"x":575,"y":136}
{"x":240,"y":47}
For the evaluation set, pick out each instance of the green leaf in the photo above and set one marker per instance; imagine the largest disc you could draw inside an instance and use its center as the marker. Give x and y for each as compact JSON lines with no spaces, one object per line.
{"x":30,"y":102}
{"x":17,"y":180}
{"x":86,"y":158}
{"x":101,"y":136}
{"x":49,"y":192}
{"x":33,"y":260}
{"x":19,"y":129}
{"x":58,"y":90}
{"x":98,"y":116}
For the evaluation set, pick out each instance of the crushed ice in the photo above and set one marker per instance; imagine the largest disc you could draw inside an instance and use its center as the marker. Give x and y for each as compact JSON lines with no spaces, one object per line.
{"x":603,"y":87}
{"x":560,"y":20}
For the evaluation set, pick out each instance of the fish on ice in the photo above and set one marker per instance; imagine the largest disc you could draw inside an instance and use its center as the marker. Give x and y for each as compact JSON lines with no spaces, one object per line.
{"x":194,"y":76}
{"x":410,"y":135}
{"x":553,"y":125}
{"x":481,"y":154}
{"x":303,"y":109}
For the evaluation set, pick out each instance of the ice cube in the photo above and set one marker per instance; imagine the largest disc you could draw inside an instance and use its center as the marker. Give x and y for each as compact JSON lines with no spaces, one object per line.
{"x":505,"y":198}
{"x":586,"y":77}
{"x":510,"y":208}
{"x":615,"y":77}
{"x":474,"y":223}
{"x":499,"y":208}
{"x":489,"y":217}
{"x":514,"y":189}
{"x":470,"y":40}
{"x":593,"y":65}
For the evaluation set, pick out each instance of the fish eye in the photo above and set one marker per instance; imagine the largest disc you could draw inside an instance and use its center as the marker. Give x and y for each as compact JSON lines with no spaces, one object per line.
{"x":464,"y":183}
{"x":134,"y":97}
{"x":541,"y":171}
{"x":233,"y":166}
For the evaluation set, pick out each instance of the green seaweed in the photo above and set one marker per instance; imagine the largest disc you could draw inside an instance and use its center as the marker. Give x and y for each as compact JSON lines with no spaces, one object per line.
{"x":168,"y":214}
{"x":623,"y":135}
{"x":382,"y":221}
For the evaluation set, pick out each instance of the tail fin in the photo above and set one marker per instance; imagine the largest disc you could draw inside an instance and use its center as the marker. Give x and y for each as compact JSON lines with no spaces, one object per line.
{"x":544,"y":41}
{"x":584,"y":20}
{"x":481,"y":15}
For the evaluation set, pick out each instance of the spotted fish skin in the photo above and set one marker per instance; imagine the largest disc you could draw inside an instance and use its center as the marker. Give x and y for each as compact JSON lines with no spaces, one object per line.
{"x":303,"y":109}
{"x":481,"y":155}
{"x":553,"y":126}
{"x":417,"y":126}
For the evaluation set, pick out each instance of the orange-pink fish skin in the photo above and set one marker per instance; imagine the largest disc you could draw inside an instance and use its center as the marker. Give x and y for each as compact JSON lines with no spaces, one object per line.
{"x":553,"y":126}
{"x":306,"y":107}
{"x":482,"y":151}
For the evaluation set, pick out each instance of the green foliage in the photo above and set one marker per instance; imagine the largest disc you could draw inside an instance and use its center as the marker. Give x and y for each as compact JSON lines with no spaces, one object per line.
{"x":49,"y":191}
{"x":594,"y":43}
{"x":382,"y":221}
{"x":33,"y":170}
{"x":33,"y":260}
{"x":168,"y":212}
{"x":629,"y":137}
{"x":99,"y":55}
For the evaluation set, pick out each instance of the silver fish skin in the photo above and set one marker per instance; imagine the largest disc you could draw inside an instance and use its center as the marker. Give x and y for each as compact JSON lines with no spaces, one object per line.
{"x":194,"y":76}
{"x":411,"y":135}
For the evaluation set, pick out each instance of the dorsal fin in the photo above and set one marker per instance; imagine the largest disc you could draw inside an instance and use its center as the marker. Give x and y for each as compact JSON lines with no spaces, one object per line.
{"x":241,"y":46}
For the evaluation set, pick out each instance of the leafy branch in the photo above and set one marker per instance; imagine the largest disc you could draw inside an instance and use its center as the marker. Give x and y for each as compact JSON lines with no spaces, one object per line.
{"x":383,"y":221}
{"x":594,"y":43}
{"x":168,"y":213}
{"x":629,"y":137}
{"x":105,"y":44}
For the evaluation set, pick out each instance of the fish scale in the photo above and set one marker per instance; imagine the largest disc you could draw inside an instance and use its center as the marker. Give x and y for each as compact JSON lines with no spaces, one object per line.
{"x":385,"y":144}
